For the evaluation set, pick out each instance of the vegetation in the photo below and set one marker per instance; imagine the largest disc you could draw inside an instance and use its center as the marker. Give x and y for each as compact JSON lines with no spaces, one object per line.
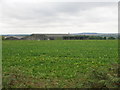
{"x":85,"y":37}
{"x":111,"y":38}
{"x":3,"y":38}
{"x":60,"y":64}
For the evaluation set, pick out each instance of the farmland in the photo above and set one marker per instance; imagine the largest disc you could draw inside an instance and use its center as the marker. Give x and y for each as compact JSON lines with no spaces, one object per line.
{"x":60,"y":63}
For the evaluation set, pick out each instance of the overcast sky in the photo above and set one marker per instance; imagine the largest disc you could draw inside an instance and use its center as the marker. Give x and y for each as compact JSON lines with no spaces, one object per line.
{"x":26,"y":17}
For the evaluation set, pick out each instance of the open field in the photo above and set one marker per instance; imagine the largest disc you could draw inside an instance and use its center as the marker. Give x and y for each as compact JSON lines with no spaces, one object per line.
{"x":57,"y":64}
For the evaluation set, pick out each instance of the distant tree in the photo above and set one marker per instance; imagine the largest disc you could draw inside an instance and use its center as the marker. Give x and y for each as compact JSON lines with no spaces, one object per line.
{"x":104,"y":38}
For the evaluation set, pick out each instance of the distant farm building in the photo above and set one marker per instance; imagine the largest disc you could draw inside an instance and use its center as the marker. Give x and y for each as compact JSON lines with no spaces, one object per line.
{"x":11,"y":38}
{"x":45,"y":37}
{"x":35,"y":37}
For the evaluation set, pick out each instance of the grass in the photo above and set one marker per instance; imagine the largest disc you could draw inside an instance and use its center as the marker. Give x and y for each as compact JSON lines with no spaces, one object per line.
{"x":60,"y":64}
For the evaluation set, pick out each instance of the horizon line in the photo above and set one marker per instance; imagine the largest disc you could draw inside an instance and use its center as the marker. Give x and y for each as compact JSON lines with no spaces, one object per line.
{"x":58,"y":33}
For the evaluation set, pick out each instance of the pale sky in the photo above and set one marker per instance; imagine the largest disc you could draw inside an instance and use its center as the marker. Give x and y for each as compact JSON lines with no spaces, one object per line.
{"x":33,"y":16}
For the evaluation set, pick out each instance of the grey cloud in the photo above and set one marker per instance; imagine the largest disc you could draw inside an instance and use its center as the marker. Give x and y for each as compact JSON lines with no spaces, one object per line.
{"x":45,"y":15}
{"x":33,"y":11}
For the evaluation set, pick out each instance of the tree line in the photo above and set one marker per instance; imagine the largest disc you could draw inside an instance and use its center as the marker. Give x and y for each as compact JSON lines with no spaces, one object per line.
{"x":84,"y":37}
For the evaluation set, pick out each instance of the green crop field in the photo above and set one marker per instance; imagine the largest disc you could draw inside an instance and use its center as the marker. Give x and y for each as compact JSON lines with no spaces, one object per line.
{"x":60,"y":64}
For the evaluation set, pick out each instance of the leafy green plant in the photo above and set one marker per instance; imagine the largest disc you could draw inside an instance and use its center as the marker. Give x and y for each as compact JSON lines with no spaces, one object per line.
{"x":59,"y":63}
{"x":102,"y":78}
